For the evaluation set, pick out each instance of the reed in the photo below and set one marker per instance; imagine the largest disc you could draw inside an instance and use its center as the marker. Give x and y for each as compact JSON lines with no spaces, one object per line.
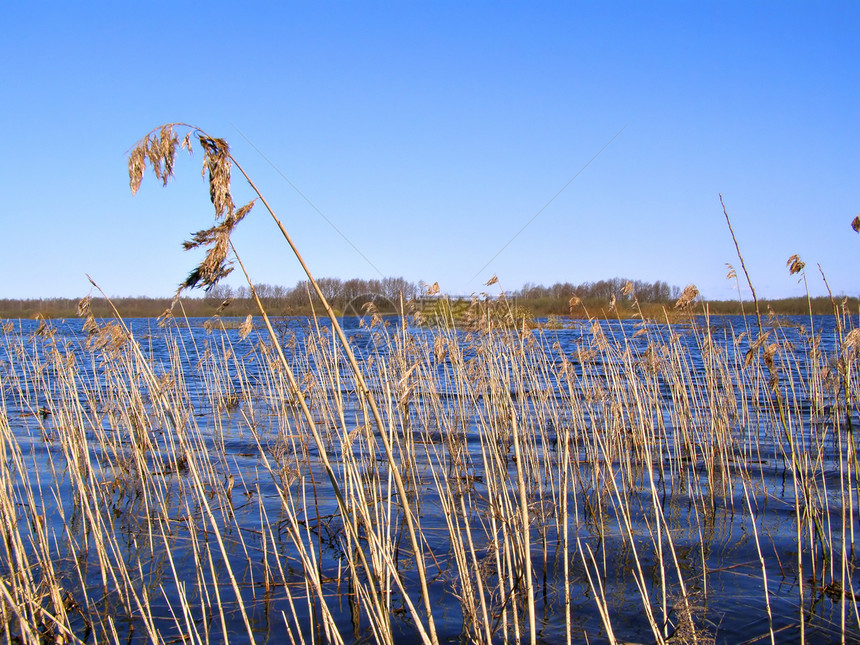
{"x":611,"y":479}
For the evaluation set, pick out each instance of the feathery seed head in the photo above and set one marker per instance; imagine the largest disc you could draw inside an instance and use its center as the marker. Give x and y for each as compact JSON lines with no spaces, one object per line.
{"x":732,"y":274}
{"x":246,"y":327}
{"x":794,"y":264}
{"x":688,"y":297}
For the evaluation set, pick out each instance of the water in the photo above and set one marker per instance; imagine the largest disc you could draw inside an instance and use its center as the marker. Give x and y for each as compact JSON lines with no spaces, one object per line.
{"x":177,"y":475}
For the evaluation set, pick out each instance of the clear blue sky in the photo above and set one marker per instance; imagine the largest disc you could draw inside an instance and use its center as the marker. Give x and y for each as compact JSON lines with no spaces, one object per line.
{"x":430,"y":133}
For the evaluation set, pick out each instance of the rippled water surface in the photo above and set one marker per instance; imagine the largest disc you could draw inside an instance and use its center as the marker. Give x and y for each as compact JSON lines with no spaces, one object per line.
{"x":165,"y":482}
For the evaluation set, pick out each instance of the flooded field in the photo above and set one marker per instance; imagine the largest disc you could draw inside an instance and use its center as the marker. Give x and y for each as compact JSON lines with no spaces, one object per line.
{"x":603,"y":481}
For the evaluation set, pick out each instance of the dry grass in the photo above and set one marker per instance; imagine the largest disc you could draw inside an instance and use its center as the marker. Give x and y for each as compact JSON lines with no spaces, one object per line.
{"x":474,"y":479}
{"x":543,"y":463}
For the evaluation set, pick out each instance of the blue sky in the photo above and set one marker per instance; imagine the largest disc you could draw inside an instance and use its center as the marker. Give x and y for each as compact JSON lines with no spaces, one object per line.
{"x":430,"y":133}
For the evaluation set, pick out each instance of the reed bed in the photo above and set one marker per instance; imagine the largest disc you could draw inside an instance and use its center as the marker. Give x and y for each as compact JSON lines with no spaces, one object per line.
{"x":465,"y":478}
{"x":612,"y":482}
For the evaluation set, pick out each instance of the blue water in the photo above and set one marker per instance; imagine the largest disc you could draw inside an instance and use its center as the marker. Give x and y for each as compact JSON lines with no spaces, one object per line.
{"x":255,"y":424}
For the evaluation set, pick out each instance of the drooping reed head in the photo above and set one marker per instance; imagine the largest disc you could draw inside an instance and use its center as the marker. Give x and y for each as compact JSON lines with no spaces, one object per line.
{"x":688,"y":297}
{"x":795,"y":264}
{"x":158,"y":149}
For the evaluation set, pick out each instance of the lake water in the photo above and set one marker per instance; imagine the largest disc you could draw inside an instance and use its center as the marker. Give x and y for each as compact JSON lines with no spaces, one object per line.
{"x":595,"y":481}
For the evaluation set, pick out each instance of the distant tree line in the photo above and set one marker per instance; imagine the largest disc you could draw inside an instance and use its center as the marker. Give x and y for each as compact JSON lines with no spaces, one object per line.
{"x":351,"y":297}
{"x":348,"y":297}
{"x":595,"y":297}
{"x":651,"y":292}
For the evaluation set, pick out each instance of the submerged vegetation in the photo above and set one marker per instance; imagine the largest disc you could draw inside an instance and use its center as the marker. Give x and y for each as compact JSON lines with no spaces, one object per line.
{"x":672,"y":480}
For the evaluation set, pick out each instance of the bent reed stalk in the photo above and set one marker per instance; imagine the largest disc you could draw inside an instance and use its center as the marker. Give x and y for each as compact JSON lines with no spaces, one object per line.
{"x":610,"y":481}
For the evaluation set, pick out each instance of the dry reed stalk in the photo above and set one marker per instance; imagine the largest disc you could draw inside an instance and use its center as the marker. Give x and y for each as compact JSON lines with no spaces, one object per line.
{"x":597,"y":590}
{"x":501,"y":508}
{"x":464,"y":557}
{"x":622,"y":507}
{"x":342,"y":503}
{"x":743,"y":265}
{"x":761,"y":562}
{"x":159,"y":151}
